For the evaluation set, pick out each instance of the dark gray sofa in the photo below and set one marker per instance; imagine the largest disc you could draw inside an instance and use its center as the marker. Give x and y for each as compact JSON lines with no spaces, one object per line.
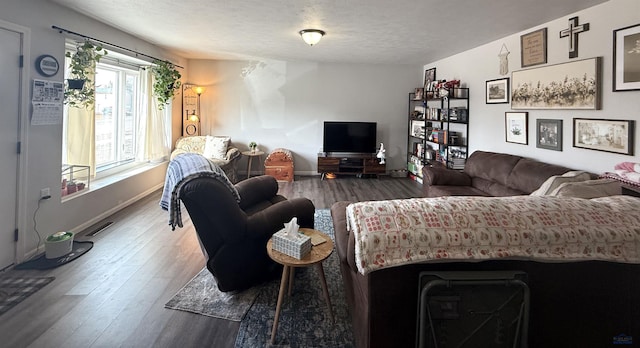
{"x":489,"y":174}
{"x":572,"y":304}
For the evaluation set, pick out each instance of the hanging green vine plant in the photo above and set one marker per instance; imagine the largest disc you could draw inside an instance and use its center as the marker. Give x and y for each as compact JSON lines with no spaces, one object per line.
{"x":80,"y":89}
{"x":166,"y":81}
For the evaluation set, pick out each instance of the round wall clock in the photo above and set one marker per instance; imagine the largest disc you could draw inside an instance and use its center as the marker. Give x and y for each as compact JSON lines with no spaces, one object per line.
{"x":47,"y":65}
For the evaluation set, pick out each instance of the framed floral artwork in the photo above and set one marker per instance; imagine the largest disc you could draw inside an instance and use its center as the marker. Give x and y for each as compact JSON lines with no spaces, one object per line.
{"x":516,"y":130}
{"x":572,"y":85}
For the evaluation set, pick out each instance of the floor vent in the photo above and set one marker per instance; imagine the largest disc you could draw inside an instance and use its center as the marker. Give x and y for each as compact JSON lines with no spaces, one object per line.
{"x":99,"y":228}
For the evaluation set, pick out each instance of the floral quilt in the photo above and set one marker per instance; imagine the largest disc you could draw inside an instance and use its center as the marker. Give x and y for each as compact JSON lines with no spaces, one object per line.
{"x":556,"y":229}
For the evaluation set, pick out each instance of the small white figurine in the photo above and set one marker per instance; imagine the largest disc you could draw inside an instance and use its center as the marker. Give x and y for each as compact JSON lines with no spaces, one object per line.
{"x":380,"y":154}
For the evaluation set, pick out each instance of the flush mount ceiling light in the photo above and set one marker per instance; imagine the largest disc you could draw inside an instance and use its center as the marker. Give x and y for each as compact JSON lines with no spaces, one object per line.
{"x":311,"y":36}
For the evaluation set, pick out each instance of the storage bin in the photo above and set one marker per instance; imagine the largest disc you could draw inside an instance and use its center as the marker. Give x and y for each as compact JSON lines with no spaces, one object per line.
{"x":279,"y":164}
{"x":473,"y":309}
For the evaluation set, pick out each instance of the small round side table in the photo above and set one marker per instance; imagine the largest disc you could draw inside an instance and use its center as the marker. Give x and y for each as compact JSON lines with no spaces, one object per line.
{"x":318,"y":254}
{"x":251,"y":155}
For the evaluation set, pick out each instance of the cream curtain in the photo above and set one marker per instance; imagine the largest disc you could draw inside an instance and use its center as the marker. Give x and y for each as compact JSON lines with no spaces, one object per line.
{"x":80,"y":144}
{"x":153,"y":140}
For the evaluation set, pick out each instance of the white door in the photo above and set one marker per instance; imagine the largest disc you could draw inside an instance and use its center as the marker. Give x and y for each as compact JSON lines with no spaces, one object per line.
{"x":11,"y":43}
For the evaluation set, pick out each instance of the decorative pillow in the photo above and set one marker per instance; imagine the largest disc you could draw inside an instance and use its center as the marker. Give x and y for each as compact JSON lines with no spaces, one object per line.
{"x":216,"y":147}
{"x":555,"y":181}
{"x":589,"y":189}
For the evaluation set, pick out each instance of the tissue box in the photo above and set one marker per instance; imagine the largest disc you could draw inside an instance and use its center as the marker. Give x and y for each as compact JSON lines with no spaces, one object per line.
{"x":296,"y":247}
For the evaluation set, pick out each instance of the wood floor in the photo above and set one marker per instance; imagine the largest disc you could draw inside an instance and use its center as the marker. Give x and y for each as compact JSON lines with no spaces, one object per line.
{"x":114,"y":295}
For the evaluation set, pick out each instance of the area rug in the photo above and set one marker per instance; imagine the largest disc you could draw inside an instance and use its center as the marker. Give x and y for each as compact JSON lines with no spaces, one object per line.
{"x":201,"y":296}
{"x":79,"y":248}
{"x":304,"y":318}
{"x":14,"y":290}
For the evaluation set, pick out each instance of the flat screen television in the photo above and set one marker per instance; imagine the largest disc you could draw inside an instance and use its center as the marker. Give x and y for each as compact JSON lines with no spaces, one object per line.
{"x":350,"y":137}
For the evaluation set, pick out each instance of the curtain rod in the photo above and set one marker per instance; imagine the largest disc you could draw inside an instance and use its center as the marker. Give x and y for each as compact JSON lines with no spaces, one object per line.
{"x":62,"y":30}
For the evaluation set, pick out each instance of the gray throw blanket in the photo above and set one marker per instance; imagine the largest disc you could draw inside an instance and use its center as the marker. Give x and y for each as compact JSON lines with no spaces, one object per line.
{"x":182,"y":168}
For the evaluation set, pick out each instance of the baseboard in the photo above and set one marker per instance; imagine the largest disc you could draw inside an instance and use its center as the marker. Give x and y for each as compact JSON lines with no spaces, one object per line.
{"x":80,"y":228}
{"x":306,"y":173}
{"x":243,"y":174}
{"x":115,"y":209}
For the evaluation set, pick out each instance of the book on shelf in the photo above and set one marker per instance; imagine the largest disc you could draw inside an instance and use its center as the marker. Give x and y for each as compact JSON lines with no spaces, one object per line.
{"x":457,"y":163}
{"x":458,"y":114}
{"x":453,"y":138}
{"x":415,"y":177}
{"x":432,"y":114}
{"x":415,"y":168}
{"x":419,"y":151}
{"x":439,"y":136}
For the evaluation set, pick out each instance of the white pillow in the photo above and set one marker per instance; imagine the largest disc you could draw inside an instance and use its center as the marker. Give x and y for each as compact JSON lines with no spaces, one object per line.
{"x":589,"y":189}
{"x":216,"y":147}
{"x":553,"y":182}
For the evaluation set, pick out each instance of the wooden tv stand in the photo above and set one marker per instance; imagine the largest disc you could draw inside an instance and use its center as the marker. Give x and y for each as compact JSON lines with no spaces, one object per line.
{"x":353,"y":164}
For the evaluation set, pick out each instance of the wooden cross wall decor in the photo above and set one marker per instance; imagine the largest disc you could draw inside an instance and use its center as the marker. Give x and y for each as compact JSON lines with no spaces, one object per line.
{"x":572,"y":32}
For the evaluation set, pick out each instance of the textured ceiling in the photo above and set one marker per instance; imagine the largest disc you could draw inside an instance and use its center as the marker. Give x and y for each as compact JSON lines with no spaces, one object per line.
{"x":358,"y":31}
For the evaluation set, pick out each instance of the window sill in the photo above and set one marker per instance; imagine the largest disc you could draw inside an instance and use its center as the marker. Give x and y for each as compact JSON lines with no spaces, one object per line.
{"x":105,"y":181}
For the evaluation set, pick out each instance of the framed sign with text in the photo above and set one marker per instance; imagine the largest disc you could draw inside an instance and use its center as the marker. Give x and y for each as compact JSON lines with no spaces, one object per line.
{"x":533,"y":48}
{"x":189,"y":110}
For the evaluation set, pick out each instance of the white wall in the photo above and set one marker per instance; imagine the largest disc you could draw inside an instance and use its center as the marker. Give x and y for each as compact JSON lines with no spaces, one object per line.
{"x":283,"y":104}
{"x":478,"y":65}
{"x":278,"y":104}
{"x":42,"y":145}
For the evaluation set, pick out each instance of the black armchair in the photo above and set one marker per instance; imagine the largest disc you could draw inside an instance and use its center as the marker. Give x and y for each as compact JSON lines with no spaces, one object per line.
{"x":234,"y":235}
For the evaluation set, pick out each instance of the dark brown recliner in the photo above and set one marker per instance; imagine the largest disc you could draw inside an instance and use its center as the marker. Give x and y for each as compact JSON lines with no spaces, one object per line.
{"x":234,"y":235}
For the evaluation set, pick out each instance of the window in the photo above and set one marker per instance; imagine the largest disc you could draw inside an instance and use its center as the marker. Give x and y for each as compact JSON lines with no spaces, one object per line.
{"x":113,"y":136}
{"x":115,"y":133}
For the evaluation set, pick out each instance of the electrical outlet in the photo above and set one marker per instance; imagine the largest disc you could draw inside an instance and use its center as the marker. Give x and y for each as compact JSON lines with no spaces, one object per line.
{"x":45,"y":193}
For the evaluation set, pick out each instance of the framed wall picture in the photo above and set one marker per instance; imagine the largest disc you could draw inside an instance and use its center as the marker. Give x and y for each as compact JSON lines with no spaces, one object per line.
{"x":515,"y":127}
{"x":533,"y":48}
{"x":549,"y":134}
{"x":418,"y":129}
{"x":429,"y":79}
{"x":626,"y":58}
{"x":572,"y":85}
{"x":418,"y":94}
{"x":497,"y":91}
{"x":604,"y":135}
